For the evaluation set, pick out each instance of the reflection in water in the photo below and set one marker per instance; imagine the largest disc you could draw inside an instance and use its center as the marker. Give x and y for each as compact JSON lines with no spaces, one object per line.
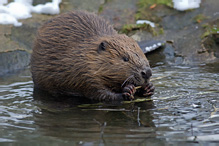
{"x":184,"y":110}
{"x":94,"y":122}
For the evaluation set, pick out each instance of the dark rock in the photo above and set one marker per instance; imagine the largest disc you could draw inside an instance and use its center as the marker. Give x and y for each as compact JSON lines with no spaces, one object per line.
{"x":12,"y":61}
{"x":149,"y":46}
{"x":162,"y":55}
{"x":210,"y":41}
{"x":36,"y":2}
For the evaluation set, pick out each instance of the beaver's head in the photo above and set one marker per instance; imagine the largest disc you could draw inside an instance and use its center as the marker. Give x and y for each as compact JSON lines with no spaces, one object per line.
{"x":120,"y":61}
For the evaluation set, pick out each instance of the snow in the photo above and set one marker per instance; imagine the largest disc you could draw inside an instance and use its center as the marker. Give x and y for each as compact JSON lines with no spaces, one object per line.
{"x":22,"y":9}
{"x":48,"y":8}
{"x":8,"y":19}
{"x":19,"y":10}
{"x":183,"y":5}
{"x":3,"y":2}
{"x":152,"y":47}
{"x":145,"y":21}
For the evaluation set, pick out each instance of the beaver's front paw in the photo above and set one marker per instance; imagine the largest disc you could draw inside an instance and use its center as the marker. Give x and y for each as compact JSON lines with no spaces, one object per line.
{"x":128,"y":92}
{"x":148,"y":90}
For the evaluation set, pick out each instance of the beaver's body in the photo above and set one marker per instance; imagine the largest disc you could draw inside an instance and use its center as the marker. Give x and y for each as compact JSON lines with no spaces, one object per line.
{"x":78,"y":52}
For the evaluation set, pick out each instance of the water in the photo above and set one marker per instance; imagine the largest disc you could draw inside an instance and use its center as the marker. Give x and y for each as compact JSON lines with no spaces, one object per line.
{"x":183,"y":111}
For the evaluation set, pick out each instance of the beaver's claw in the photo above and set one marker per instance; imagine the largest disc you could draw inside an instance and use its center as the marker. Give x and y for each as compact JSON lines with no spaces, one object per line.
{"x":147,"y":91}
{"x":128,"y":92}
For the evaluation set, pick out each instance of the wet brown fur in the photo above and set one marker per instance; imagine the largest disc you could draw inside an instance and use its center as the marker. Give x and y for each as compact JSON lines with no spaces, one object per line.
{"x":67,"y":57}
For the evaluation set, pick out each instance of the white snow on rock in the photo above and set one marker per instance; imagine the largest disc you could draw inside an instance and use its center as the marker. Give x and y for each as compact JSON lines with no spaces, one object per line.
{"x":48,"y":8}
{"x":183,"y":5}
{"x":145,"y":21}
{"x":8,"y":19}
{"x":21,"y":9}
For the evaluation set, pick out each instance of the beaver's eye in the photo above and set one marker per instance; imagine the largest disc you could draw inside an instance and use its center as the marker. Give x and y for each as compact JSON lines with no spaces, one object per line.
{"x":102,"y":47}
{"x":125,"y":59}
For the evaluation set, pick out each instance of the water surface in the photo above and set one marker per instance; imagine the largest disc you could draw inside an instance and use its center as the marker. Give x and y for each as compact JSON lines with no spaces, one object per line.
{"x":183,"y":111}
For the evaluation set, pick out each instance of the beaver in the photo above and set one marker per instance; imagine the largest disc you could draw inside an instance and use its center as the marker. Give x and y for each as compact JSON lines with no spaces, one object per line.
{"x":79,"y":53}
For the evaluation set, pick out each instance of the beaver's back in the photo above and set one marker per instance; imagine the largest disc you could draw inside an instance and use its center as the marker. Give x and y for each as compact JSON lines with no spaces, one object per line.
{"x":72,"y":28}
{"x":75,"y":26}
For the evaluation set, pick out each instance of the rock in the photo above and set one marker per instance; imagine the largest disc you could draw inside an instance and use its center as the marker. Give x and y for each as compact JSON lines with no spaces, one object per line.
{"x":36,"y":2}
{"x":16,"y":43}
{"x":186,"y":32}
{"x":13,"y":60}
{"x":88,"y":5}
{"x":119,"y":12}
{"x":149,"y":46}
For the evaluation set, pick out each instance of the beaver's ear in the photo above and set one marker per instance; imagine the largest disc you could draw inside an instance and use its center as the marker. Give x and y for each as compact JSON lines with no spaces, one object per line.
{"x":102,"y":46}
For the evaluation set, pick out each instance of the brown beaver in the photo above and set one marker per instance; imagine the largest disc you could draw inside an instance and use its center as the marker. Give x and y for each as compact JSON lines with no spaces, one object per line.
{"x":79,"y":53}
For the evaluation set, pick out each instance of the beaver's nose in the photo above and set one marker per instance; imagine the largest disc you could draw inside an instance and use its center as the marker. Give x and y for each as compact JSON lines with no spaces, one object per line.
{"x":146,"y":73}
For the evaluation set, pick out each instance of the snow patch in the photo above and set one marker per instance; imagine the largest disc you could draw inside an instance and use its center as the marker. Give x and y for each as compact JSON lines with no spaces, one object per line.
{"x":183,"y":5}
{"x":48,"y":8}
{"x":8,"y":19}
{"x":22,"y":9}
{"x":145,"y":21}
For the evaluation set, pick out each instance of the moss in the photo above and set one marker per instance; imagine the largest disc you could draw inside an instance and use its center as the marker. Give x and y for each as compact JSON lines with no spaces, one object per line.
{"x":146,"y":3}
{"x":209,"y":30}
{"x":143,"y":11}
{"x":199,"y":18}
{"x":132,"y":27}
{"x":210,"y":38}
{"x":161,"y":31}
{"x":100,"y":9}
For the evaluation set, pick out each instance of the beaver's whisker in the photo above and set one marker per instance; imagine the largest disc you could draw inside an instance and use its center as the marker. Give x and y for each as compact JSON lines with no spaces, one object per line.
{"x":128,"y":79}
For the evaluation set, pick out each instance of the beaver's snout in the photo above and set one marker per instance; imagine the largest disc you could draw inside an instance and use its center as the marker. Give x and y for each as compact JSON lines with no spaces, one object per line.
{"x":146,"y":73}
